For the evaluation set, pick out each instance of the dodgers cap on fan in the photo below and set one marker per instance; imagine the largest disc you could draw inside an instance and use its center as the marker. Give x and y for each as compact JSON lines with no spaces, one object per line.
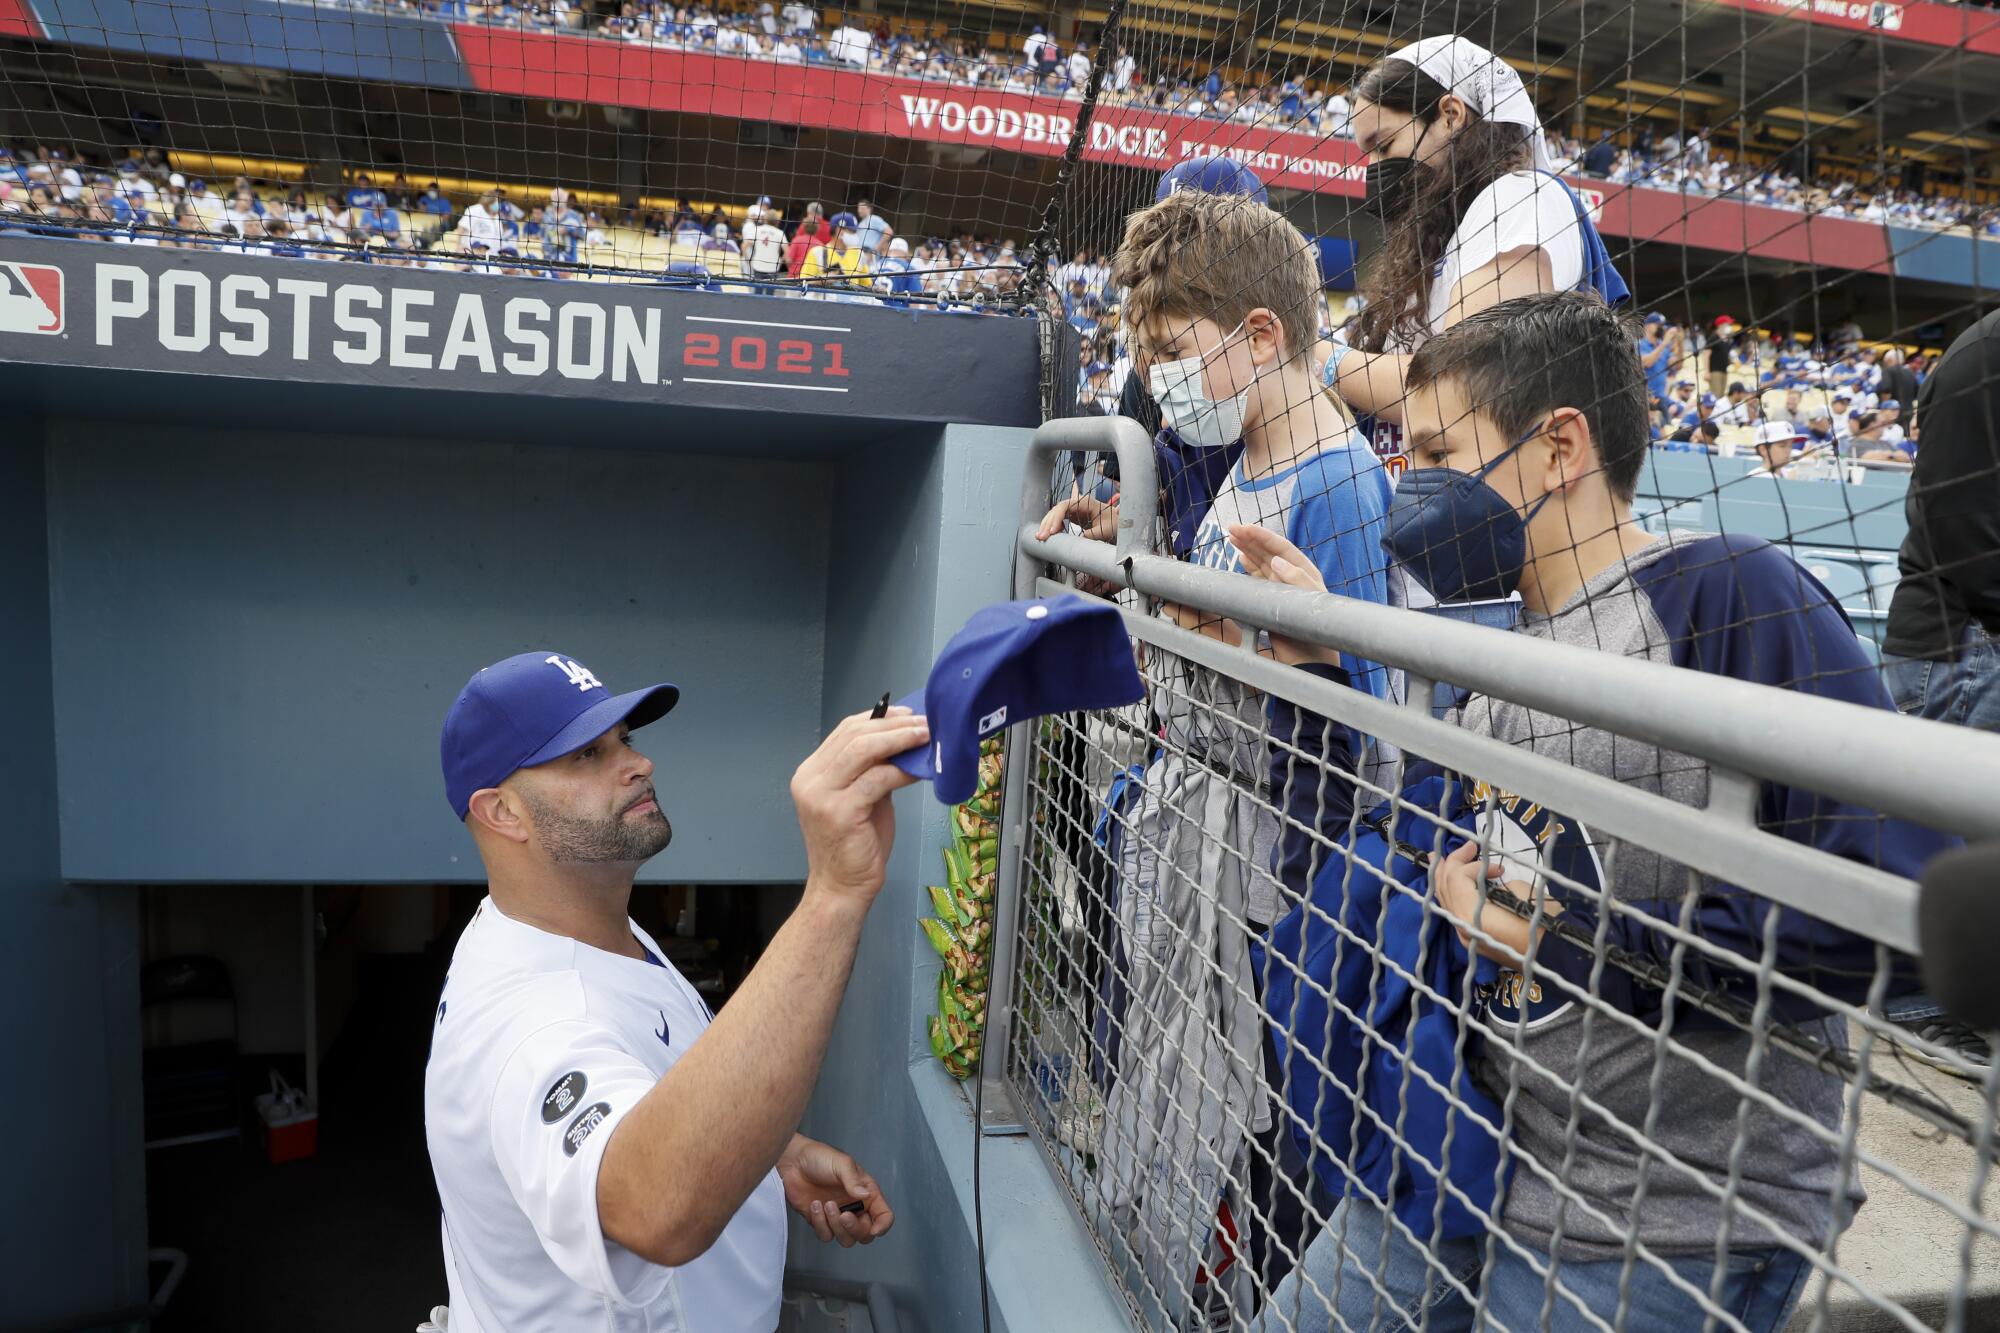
{"x":1014,"y":661}
{"x":530,"y":709}
{"x":845,"y":222}
{"x":1213,"y":175}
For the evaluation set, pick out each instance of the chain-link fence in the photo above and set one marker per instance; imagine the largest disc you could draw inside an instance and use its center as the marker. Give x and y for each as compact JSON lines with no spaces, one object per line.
{"x":1302,"y":1065}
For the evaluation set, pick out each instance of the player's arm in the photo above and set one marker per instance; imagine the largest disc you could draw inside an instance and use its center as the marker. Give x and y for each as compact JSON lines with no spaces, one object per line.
{"x":684,"y":1159}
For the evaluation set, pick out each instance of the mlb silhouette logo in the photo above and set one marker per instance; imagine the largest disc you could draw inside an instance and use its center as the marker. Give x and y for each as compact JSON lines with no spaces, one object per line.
{"x":31,"y":298}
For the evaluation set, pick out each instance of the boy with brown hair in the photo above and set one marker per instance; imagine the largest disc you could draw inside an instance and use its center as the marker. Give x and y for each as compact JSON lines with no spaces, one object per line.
{"x":1221,"y":305}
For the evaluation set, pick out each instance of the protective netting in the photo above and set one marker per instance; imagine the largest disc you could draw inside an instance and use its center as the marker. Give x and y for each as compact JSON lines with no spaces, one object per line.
{"x":1374,"y":352}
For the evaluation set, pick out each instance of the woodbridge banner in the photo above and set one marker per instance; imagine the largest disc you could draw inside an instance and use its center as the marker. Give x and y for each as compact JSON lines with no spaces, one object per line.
{"x":587,"y":69}
{"x":85,"y":303}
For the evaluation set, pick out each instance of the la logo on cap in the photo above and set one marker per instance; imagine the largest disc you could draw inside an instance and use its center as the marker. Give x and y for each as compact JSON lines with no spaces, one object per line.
{"x":579,"y":674}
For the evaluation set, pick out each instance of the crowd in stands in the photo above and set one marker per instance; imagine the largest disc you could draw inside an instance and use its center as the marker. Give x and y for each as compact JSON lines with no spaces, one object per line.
{"x":1806,"y":408}
{"x":794,"y":34}
{"x":1801,"y":406}
{"x":1693,"y":164}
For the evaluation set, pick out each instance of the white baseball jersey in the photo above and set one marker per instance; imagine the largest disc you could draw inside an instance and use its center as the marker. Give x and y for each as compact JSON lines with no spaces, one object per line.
{"x":539,"y":1047}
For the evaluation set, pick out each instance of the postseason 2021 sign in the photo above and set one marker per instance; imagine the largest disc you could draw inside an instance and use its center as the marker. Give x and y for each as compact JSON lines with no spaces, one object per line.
{"x":88,"y":303}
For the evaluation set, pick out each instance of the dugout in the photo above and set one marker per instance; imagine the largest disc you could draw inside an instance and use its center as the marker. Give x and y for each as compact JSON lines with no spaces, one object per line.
{"x":262,"y":518}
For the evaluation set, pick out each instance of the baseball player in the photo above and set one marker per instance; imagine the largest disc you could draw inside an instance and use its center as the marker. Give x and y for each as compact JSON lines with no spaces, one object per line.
{"x":609,"y":1154}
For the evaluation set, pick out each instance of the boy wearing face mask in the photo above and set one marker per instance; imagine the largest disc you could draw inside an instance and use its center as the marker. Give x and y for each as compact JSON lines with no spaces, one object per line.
{"x":1527,"y":425}
{"x":1221,"y":306}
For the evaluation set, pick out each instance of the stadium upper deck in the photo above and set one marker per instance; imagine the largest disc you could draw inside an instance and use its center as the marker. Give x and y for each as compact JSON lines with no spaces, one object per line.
{"x":1866,"y":104}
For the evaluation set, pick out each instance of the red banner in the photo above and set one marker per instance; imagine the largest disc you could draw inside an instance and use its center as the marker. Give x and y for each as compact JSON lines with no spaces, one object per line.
{"x":1931,"y":25}
{"x":587,"y":69}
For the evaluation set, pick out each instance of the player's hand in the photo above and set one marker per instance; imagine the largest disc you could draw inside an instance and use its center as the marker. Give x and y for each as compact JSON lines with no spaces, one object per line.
{"x":1271,"y":556}
{"x":819,"y":1179}
{"x":1458,"y":881}
{"x":842,"y":794}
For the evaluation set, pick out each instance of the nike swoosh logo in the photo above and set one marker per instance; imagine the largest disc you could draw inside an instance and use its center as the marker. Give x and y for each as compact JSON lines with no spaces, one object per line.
{"x":662,"y":1033}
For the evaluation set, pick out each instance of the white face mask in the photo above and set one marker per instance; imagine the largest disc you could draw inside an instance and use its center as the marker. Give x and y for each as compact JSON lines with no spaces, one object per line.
{"x":850,"y":239}
{"x":1185,"y":407}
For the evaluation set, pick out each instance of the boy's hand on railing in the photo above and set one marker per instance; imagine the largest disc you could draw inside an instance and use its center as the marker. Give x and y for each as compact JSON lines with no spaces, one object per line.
{"x":1269,"y":555}
{"x":1098,"y":518}
{"x":1099,"y":521}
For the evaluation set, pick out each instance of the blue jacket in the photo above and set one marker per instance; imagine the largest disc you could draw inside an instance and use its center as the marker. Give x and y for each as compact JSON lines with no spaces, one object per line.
{"x":1368,"y":1099}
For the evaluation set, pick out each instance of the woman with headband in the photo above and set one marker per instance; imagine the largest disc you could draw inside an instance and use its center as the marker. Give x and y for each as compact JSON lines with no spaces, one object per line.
{"x":1460,"y":177}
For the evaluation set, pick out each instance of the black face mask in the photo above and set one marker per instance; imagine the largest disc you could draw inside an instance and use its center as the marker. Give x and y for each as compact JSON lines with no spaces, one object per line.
{"x":1390,"y":184}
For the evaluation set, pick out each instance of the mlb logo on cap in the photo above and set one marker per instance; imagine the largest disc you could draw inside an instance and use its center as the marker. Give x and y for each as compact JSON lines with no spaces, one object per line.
{"x":530,"y":709}
{"x":1014,"y":661}
{"x":31,"y":298}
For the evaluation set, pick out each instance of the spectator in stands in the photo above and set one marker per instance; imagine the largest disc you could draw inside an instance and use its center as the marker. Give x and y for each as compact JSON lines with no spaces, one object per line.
{"x":432,"y":203}
{"x":1542,"y":401}
{"x":1079,"y":68}
{"x":1659,"y":353}
{"x":720,"y":254}
{"x":799,"y":18}
{"x":764,"y":245}
{"x":1470,"y":221}
{"x":241,"y":210}
{"x":1894,"y":379}
{"x":206,"y":210}
{"x":813,"y":230}
{"x":1941,"y":650}
{"x":850,"y":45}
{"x":1881,"y":437}
{"x":1738,"y":410}
{"x":365,"y":196}
{"x":836,"y":271}
{"x":563,"y":227}
{"x":1699,"y":434}
{"x":484,"y":222}
{"x":1123,"y":71}
{"x":1721,"y":347}
{"x":1597,"y":162}
{"x":872,"y":227}
{"x":895,"y":277}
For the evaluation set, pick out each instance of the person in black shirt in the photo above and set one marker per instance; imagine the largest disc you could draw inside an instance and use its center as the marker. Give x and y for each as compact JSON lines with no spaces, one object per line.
{"x":1720,"y":344}
{"x":1941,"y":650}
{"x":1600,"y":157}
{"x":1896,"y":380}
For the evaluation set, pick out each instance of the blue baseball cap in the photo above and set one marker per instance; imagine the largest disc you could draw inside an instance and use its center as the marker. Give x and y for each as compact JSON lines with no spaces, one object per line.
{"x":530,"y":709}
{"x":1655,"y":318}
{"x":1014,"y":661}
{"x":1888,"y":403}
{"x":1708,"y":400}
{"x":845,"y":222}
{"x":1212,"y":175}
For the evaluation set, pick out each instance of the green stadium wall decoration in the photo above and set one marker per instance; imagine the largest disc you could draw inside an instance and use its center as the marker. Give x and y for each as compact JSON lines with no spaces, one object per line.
{"x":960,"y":927}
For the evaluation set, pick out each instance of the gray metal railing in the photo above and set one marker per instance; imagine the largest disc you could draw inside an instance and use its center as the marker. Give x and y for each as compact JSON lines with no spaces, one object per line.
{"x":1101,"y":904}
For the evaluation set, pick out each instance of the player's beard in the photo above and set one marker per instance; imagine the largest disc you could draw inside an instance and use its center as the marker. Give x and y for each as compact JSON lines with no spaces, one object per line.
{"x":623,"y":837}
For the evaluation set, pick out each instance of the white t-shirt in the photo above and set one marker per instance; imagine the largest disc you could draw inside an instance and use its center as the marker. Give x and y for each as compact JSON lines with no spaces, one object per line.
{"x":480,"y":224}
{"x":850,"y":45}
{"x":1524,"y":208}
{"x":539,"y":1047}
{"x":767,"y":249}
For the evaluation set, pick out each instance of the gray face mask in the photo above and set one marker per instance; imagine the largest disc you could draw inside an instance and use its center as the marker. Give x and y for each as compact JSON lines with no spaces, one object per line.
{"x":1181,"y":390}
